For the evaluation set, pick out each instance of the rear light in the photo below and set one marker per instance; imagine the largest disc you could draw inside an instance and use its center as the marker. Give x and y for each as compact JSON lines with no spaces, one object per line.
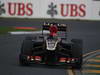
{"x":68,"y":60}
{"x":32,"y":58}
{"x":62,"y":60}
{"x":73,"y":60}
{"x":38,"y":58}
{"x":28,"y":57}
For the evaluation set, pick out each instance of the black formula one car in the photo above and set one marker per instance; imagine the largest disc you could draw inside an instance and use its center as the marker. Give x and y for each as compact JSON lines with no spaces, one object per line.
{"x":52,"y":49}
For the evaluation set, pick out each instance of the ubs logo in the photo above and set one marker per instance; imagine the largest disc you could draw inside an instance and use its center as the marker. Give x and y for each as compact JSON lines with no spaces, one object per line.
{"x":67,"y":10}
{"x":2,"y":10}
{"x":52,"y":10}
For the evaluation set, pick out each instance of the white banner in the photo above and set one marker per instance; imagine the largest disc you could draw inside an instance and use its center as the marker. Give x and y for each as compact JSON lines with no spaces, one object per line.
{"x":60,"y":9}
{"x":95,"y":10}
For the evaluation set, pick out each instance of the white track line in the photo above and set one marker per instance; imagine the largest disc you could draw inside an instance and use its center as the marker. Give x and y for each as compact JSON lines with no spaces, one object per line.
{"x":27,"y":32}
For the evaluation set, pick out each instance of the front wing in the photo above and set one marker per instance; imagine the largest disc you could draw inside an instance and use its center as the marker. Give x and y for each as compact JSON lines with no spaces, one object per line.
{"x":50,"y":58}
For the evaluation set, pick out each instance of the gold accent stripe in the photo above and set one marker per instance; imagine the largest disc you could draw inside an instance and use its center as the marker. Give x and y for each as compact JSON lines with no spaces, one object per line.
{"x":91,"y":71}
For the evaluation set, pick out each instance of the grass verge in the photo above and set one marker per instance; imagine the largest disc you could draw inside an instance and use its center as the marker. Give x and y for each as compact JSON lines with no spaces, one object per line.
{"x":5,"y":29}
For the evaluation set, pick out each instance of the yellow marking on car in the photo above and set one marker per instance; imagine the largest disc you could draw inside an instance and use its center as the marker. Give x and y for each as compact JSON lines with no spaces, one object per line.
{"x":92,"y":71}
{"x":92,"y":65}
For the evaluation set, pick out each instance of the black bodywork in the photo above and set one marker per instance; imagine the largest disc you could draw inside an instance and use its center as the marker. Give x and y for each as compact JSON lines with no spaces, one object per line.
{"x":64,"y":53}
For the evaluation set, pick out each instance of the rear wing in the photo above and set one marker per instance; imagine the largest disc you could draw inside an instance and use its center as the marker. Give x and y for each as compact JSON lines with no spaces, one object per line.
{"x":61,"y":27}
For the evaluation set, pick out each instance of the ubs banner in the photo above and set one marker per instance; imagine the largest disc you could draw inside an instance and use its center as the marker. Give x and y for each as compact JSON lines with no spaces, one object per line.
{"x":61,"y":9}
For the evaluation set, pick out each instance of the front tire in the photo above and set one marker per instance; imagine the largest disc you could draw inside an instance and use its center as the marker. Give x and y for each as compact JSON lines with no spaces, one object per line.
{"x":26,"y":50}
{"x":77,"y":52}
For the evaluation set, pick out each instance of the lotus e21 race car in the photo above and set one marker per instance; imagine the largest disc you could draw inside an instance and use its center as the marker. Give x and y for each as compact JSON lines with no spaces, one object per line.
{"x":52,"y":49}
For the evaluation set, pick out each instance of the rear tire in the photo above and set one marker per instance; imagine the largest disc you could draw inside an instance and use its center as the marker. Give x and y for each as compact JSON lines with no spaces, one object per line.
{"x":77,"y":52}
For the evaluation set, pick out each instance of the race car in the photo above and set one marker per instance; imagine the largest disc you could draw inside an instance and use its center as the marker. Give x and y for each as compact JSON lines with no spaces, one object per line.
{"x":52,"y":49}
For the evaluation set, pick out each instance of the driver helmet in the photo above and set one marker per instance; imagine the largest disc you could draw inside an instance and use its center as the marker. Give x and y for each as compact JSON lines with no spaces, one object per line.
{"x":53,"y":30}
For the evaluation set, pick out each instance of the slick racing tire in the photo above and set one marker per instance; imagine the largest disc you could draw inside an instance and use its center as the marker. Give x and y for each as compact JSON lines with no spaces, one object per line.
{"x":26,"y":49}
{"x":77,"y":52}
